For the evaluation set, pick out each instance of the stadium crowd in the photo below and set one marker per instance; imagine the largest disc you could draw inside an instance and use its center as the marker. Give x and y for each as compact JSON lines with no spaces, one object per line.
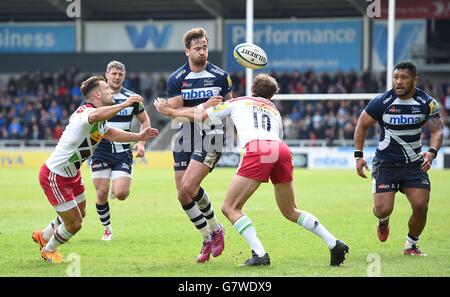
{"x":37,"y":105}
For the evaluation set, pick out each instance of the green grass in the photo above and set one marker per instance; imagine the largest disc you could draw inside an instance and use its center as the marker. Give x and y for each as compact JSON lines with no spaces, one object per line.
{"x":153,"y":237}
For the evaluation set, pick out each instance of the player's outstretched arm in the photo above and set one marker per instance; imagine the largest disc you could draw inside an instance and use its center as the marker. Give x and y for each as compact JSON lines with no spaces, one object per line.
{"x":118,"y":135}
{"x":213,"y":101}
{"x":365,"y":121}
{"x":175,"y":102}
{"x":106,"y":112}
{"x":181,"y":114}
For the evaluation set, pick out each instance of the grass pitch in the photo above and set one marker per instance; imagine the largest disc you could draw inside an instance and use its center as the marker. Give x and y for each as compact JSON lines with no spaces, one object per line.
{"x":153,"y":236}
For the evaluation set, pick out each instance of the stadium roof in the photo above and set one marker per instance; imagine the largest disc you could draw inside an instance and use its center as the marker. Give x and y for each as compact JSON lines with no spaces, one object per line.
{"x":55,"y":10}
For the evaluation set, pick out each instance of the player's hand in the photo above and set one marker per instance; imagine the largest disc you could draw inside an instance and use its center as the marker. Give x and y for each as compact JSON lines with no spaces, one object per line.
{"x":427,"y":161}
{"x":139,"y":147}
{"x":162,"y":106}
{"x":213,"y":101}
{"x":361,"y":163}
{"x":133,"y":99}
{"x":148,"y":133}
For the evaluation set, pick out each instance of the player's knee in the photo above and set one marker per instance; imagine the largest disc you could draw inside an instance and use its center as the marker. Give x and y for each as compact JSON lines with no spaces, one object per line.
{"x":122,"y":194}
{"x":102,"y":195}
{"x":382,"y":211}
{"x":183,"y":197}
{"x":420,"y":208}
{"x":187,"y":189}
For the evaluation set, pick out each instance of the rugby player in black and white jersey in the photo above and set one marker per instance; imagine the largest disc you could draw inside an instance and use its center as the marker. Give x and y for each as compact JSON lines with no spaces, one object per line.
{"x":399,"y":163}
{"x":112,"y":161}
{"x":197,"y":149}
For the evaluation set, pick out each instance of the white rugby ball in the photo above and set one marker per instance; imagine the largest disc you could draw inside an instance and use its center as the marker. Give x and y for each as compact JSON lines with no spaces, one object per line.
{"x":250,"y":55}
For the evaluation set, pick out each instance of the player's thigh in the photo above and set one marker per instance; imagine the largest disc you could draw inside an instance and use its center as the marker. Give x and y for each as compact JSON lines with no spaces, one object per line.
{"x":82,"y":208}
{"x":121,"y":184}
{"x":121,"y":174}
{"x":79,"y":191}
{"x":239,"y":191}
{"x":101,"y":174}
{"x":195,"y":173}
{"x":384,"y":202}
{"x":418,"y":197}
{"x":179,"y":174}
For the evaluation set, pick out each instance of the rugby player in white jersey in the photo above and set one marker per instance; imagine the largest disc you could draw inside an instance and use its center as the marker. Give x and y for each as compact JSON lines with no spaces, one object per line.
{"x":259,"y":127}
{"x":112,"y":162}
{"x":60,"y":176}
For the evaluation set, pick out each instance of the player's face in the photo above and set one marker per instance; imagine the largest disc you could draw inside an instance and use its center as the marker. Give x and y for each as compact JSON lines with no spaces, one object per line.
{"x":106,"y":94}
{"x":404,"y":83}
{"x":115,"y":78}
{"x":198,"y":53}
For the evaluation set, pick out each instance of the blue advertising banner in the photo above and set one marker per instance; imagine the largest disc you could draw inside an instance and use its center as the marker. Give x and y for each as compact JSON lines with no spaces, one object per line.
{"x":410,"y":35}
{"x":37,"y":38}
{"x":325,"y":45}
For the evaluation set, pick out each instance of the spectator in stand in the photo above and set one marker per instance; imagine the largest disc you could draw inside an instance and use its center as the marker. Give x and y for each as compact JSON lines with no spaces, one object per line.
{"x":15,"y":129}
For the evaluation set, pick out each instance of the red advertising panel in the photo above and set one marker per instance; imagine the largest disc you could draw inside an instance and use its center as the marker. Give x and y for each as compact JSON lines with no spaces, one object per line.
{"x":414,"y":9}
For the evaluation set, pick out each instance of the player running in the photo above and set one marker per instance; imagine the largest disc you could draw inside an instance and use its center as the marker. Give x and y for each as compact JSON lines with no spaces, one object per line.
{"x":260,"y":130}
{"x":114,"y":160}
{"x":398,"y":163}
{"x":196,"y":151}
{"x":60,"y":176}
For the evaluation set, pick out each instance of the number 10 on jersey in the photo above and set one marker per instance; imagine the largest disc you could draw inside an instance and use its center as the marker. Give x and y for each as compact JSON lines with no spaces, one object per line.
{"x":261,"y":120}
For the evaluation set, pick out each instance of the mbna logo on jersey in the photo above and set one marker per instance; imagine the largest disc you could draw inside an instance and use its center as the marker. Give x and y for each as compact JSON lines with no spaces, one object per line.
{"x":404,"y":119}
{"x":197,"y":93}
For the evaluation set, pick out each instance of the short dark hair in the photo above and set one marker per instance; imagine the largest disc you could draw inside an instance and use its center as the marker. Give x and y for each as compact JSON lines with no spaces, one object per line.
{"x":407,"y":65}
{"x":89,"y":84}
{"x":194,"y":34}
{"x":264,"y":86}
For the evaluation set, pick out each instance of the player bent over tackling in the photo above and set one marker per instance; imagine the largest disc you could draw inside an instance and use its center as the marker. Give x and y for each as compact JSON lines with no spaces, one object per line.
{"x":60,"y":176}
{"x":260,"y":130}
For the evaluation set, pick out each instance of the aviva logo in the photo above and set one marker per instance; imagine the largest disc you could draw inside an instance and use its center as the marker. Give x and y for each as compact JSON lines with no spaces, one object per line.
{"x":404,"y":120}
{"x":197,"y":93}
{"x":7,"y":160}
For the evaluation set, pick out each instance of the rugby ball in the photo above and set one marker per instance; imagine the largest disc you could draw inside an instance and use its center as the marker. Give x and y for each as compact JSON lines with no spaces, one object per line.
{"x":250,"y":55}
